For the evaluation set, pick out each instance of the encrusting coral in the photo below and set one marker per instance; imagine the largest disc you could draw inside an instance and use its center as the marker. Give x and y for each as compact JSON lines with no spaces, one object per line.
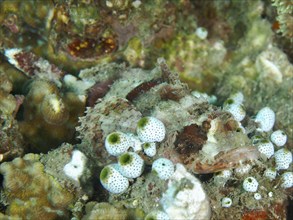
{"x":51,"y":106}
{"x":31,"y":193}
{"x":11,"y":141}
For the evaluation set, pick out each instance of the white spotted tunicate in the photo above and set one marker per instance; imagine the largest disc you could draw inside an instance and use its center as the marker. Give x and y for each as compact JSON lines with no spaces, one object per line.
{"x":257,"y":196}
{"x":164,"y":168}
{"x":237,"y":97}
{"x":130,"y":164}
{"x":236,"y":110}
{"x":270,"y":173}
{"x":136,"y":143}
{"x":279,"y":138}
{"x":225,"y":174}
{"x":266,"y":119}
{"x":112,"y":180}
{"x":266,"y":148}
{"x":150,"y":129}
{"x":201,"y":32}
{"x":287,"y":180}
{"x":157,"y":215}
{"x":250,"y":184}
{"x":117,"y":143}
{"x":226,"y":202}
{"x":150,"y":149}
{"x":283,"y":159}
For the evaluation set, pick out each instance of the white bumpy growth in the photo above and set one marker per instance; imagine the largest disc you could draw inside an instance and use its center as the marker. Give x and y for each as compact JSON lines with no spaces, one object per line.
{"x":185,"y":197}
{"x":75,"y":168}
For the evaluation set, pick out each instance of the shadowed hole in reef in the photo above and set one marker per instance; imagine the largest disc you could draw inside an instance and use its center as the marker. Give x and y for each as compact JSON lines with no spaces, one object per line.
{"x":2,"y":205}
{"x":290,"y":209}
{"x":205,"y":177}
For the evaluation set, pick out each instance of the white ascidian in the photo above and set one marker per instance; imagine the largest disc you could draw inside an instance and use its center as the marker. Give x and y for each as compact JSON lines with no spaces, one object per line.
{"x":226,"y":202}
{"x":112,"y":180}
{"x":237,"y":97}
{"x":270,"y":173}
{"x":157,"y":215}
{"x":279,"y":138}
{"x":257,"y":196}
{"x":130,"y":164}
{"x":222,"y":177}
{"x":75,"y":168}
{"x":136,"y":143}
{"x":150,"y":149}
{"x":250,"y":184}
{"x":242,"y":169}
{"x":117,"y":143}
{"x":266,"y":119}
{"x":283,"y":159}
{"x":236,"y":110}
{"x":287,"y":180}
{"x":150,"y":129}
{"x":163,"y":167}
{"x":266,"y":148}
{"x":225,"y":174}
